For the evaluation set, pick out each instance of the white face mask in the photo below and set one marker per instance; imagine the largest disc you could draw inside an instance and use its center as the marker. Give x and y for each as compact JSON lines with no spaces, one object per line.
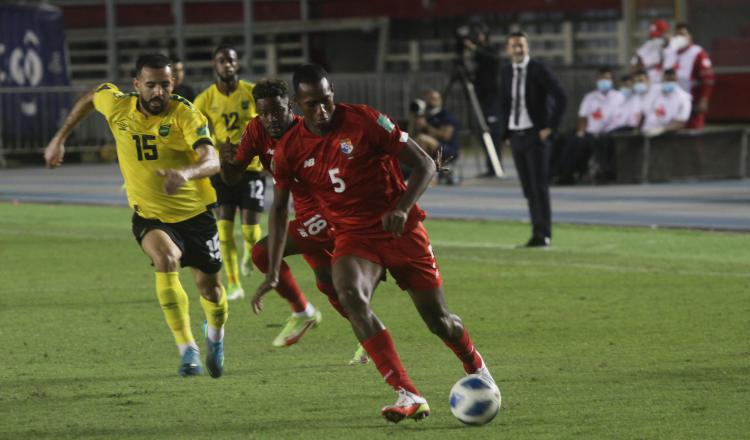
{"x":657,"y":42}
{"x":678,"y":42}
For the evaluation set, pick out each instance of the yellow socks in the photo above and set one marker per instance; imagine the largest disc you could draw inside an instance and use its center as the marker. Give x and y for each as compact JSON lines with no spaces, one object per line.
{"x":251,"y":235}
{"x":174,"y":305}
{"x":216,"y":315}
{"x":229,"y":251}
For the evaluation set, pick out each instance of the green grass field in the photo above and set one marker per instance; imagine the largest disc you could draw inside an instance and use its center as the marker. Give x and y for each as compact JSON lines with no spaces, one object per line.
{"x":612,"y":334}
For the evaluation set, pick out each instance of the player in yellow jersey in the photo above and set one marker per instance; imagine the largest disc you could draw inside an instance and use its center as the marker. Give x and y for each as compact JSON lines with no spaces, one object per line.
{"x":166,"y":156}
{"x":229,"y":106}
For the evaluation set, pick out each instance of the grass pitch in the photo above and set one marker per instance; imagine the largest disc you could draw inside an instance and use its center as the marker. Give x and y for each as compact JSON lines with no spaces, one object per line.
{"x":613,"y":333}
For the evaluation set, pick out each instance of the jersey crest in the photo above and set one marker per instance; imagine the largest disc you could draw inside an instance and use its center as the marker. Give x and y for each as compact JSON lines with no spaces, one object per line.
{"x":164,"y":130}
{"x":346,"y":146}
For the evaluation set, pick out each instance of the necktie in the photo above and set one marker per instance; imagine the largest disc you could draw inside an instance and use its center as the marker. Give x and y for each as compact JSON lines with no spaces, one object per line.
{"x":517,"y":104}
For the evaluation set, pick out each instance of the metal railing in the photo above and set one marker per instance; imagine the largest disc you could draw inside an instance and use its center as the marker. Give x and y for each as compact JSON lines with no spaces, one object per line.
{"x":389,"y":93}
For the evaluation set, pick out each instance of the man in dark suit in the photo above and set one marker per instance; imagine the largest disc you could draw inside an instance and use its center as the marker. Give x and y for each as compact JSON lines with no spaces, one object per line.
{"x":532,"y":104}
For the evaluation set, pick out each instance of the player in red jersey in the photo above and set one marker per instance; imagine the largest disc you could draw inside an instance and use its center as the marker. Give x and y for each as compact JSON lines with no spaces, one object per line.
{"x":347,"y":157}
{"x":309,"y":231}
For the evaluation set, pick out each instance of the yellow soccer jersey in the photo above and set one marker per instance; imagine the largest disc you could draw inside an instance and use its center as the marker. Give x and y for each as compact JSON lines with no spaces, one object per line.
{"x":146,"y":144}
{"x":229,"y":114}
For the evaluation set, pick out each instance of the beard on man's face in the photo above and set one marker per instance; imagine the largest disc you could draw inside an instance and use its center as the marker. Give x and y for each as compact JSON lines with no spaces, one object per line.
{"x":154,"y":106}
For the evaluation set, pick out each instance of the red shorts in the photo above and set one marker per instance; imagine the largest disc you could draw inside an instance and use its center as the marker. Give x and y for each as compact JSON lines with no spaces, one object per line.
{"x":312,"y":237}
{"x":408,"y":258}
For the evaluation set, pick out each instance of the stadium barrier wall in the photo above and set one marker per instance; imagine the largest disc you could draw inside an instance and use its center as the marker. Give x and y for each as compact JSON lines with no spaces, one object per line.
{"x":713,"y":153}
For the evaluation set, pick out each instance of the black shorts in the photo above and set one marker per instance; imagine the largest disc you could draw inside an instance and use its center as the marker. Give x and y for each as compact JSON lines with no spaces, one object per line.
{"x":197,"y":238}
{"x":249,"y":193}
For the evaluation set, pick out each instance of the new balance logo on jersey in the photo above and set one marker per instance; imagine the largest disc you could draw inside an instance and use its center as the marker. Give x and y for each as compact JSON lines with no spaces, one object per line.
{"x":309,"y":162}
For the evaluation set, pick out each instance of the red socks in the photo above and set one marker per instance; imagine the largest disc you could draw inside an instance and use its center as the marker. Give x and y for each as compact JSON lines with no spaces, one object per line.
{"x":381,"y":350}
{"x":466,"y":352}
{"x":287,"y":288}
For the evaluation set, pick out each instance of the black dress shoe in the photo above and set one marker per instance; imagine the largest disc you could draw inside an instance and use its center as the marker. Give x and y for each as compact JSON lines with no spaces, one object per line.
{"x":537,"y":242}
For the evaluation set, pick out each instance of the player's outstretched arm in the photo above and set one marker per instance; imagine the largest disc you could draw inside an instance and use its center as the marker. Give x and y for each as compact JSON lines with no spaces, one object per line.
{"x":53,"y":154}
{"x":207,"y":165}
{"x":278,"y":222}
{"x":423,"y":170}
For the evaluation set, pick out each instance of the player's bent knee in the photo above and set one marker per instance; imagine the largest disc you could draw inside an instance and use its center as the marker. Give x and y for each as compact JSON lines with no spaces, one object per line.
{"x":352,"y":299}
{"x":166,"y":262}
{"x":210,"y":290}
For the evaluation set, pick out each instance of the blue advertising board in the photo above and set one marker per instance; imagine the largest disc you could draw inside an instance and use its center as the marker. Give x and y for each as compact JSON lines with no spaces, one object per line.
{"x":32,"y":55}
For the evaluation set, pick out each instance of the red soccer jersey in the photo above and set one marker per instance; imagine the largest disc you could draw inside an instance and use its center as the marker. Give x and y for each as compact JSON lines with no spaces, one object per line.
{"x":352,"y":170}
{"x":257,"y":142}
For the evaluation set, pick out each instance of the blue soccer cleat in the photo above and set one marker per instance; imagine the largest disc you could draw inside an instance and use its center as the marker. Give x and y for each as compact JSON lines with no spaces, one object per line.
{"x":190,"y":364}
{"x":214,"y":355}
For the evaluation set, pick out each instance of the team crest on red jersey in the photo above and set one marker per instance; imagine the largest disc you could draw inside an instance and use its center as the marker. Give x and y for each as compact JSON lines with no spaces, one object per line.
{"x":346,"y":146}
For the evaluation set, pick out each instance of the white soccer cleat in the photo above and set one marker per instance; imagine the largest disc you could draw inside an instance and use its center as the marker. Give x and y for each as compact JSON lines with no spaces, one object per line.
{"x":484,"y":372}
{"x":408,"y":405}
{"x":235,"y":292}
{"x":360,"y":356}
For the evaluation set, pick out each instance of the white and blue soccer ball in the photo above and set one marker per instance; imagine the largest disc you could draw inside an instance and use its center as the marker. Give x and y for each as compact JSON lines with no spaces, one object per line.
{"x":475,"y":400}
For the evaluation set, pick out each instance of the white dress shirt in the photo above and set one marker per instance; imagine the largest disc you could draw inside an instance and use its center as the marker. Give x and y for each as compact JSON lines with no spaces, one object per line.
{"x":524,"y":121}
{"x":599,"y":109}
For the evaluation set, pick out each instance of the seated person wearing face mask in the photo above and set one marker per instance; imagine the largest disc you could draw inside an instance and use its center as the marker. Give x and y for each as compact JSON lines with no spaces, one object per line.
{"x":596,"y":118}
{"x":435,"y":129}
{"x":667,"y":107}
{"x":628,"y":116}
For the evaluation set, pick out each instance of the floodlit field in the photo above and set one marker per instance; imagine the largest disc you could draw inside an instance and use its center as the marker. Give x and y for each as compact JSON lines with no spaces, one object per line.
{"x":611,"y":334}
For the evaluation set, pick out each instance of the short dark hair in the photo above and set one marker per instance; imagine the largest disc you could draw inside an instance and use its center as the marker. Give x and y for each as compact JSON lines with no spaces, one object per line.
{"x":223,"y":47}
{"x":270,"y":88}
{"x":175,"y":59}
{"x":670,"y":72}
{"x":308,"y":74}
{"x":682,"y":25}
{"x":626,"y":77}
{"x":603,"y":70}
{"x":640,"y":72}
{"x":152,"y":60}
{"x":516,"y":34}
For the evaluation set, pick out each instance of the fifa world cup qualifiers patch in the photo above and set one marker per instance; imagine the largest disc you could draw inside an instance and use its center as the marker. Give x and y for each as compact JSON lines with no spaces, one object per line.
{"x":386,"y":123}
{"x":202,"y":130}
{"x":164,"y":130}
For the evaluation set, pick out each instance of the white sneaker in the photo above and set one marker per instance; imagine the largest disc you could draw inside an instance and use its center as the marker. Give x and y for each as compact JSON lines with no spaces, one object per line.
{"x":408,"y":405}
{"x":234,"y":292}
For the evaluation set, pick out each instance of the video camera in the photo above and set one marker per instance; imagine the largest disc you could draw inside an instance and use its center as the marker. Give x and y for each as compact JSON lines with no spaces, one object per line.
{"x":468,"y":32}
{"x":418,"y":107}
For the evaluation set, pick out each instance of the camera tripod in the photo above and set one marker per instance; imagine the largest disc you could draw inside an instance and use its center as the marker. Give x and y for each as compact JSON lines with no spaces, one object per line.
{"x":461,"y":75}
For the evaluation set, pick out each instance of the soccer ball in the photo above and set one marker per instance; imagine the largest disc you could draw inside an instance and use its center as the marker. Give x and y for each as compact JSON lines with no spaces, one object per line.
{"x":474,"y":400}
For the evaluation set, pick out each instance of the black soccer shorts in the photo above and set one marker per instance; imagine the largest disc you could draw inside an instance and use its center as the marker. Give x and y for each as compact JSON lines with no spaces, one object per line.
{"x":249,"y":193}
{"x":197,"y":238}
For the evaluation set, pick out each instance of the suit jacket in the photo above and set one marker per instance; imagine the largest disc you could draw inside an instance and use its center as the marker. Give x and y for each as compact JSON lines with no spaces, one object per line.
{"x":545,"y":98}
